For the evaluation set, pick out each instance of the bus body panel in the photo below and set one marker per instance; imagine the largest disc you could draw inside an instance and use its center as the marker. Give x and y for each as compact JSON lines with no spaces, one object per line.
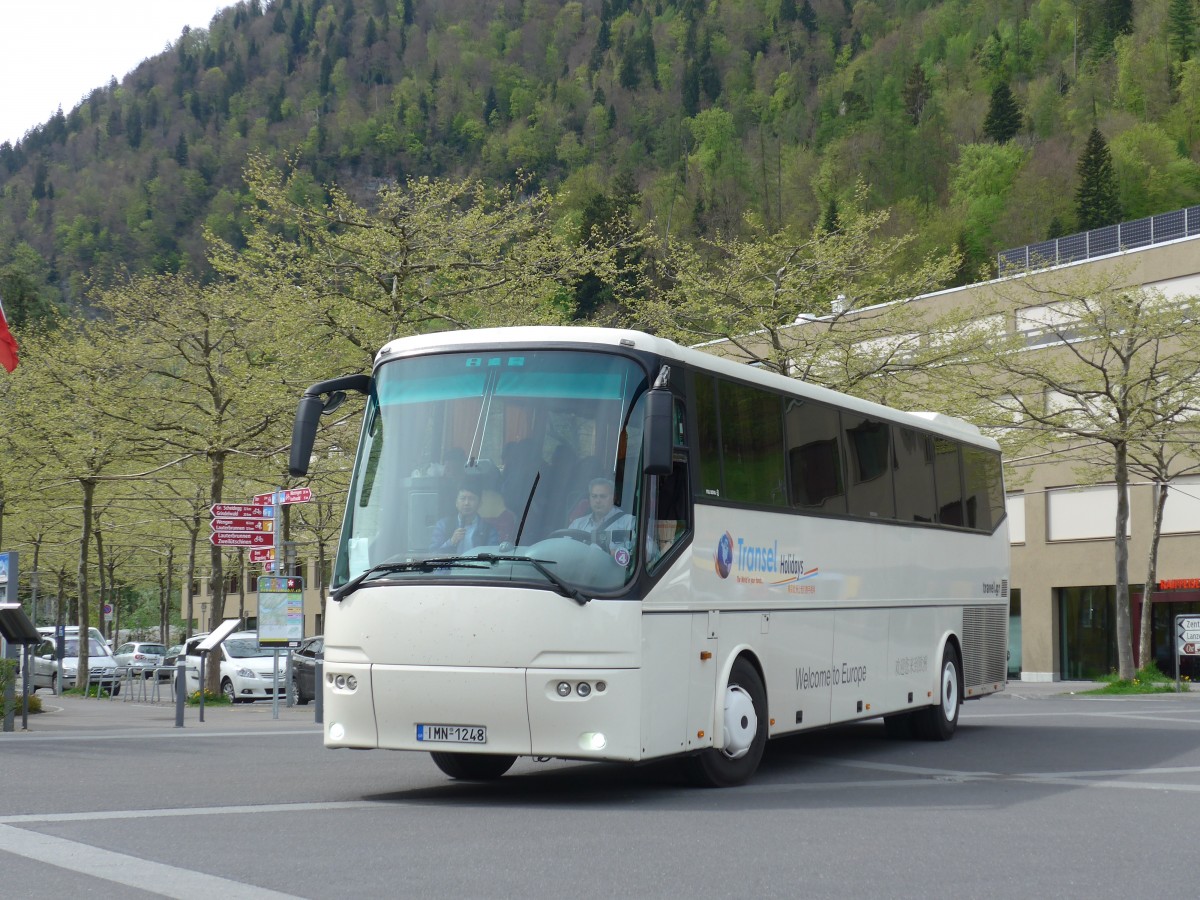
{"x":482,"y":625}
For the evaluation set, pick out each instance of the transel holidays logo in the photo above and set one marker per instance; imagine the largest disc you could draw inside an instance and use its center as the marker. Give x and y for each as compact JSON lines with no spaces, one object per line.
{"x":756,"y":564}
{"x":724,"y":554}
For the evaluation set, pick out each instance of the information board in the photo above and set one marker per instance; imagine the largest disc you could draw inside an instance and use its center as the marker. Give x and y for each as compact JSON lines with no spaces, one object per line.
{"x":280,"y":611}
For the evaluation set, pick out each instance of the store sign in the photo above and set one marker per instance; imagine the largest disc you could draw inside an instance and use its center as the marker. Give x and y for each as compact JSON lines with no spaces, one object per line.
{"x":1179,"y":584}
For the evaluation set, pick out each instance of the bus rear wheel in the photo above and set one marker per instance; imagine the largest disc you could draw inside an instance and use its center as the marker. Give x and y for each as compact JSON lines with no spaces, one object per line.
{"x":940,"y":721}
{"x":745,"y":733}
{"x":473,"y":766}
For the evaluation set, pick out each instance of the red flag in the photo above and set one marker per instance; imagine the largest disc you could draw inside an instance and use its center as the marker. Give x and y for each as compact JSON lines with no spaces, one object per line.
{"x":8,"y":344}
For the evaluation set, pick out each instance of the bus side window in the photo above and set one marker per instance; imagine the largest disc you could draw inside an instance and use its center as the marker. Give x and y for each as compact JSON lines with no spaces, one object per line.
{"x":669,"y":517}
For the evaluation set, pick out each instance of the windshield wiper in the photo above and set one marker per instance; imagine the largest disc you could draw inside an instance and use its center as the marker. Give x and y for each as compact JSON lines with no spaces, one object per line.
{"x":540,"y":564}
{"x":412,"y":565}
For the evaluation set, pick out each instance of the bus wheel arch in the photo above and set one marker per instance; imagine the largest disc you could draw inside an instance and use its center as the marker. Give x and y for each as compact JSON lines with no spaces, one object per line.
{"x":939,"y":721}
{"x":745,"y":726}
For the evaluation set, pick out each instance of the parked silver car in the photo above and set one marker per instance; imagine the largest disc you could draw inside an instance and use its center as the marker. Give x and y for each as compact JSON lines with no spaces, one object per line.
{"x":144,"y":655}
{"x":43,"y":671}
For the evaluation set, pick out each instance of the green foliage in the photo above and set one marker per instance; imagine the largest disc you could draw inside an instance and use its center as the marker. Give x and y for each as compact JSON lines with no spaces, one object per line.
{"x":1097,"y":202}
{"x":726,"y":105}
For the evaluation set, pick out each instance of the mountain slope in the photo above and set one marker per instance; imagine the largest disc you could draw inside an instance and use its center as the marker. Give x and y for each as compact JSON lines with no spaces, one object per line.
{"x":712,"y":110}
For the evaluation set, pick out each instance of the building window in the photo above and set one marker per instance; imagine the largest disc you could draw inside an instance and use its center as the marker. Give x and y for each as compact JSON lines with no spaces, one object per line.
{"x":1082,"y":513}
{"x":1181,"y":515}
{"x":1087,"y":631}
{"x":1016,"y":518}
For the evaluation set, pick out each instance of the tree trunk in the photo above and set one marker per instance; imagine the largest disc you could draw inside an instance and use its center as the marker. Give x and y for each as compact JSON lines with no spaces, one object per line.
{"x":164,"y":608}
{"x":100,"y":582}
{"x":1160,"y":503}
{"x":216,"y":581}
{"x":1124,"y":630}
{"x":85,"y":540}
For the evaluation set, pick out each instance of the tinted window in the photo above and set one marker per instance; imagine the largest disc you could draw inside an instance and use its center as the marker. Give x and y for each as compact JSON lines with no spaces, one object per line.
{"x":708,"y":432}
{"x":949,"y":482}
{"x":752,"y":445}
{"x":912,"y":463}
{"x":814,"y":457}
{"x":868,"y":457}
{"x":985,"y":488}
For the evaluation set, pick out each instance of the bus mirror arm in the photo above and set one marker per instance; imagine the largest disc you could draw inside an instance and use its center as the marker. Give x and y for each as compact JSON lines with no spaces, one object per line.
{"x":656,"y":432}
{"x":312,"y":406}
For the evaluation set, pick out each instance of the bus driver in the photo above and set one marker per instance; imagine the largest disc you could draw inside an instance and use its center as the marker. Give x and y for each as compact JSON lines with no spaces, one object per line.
{"x":609,"y":526}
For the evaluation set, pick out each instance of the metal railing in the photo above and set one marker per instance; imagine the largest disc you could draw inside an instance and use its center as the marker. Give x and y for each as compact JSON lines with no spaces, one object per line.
{"x":1106,"y":241}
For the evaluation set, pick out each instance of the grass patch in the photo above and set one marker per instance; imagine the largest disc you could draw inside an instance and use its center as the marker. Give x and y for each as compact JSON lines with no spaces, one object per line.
{"x":1146,"y":680}
{"x":93,"y":690}
{"x":210,"y":699}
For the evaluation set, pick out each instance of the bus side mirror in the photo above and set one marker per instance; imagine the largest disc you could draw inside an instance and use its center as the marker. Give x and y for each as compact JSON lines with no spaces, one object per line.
{"x":308,"y":415}
{"x":304,"y":433}
{"x":656,"y":433}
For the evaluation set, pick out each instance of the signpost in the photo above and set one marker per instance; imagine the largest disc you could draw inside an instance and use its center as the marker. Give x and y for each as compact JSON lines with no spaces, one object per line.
{"x":280,"y":599}
{"x":1187,"y":630}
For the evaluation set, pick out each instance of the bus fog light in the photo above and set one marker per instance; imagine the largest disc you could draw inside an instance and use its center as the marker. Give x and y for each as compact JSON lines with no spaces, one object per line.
{"x":564,"y":689}
{"x":583,"y":689}
{"x":336,"y":731}
{"x":593,"y":740}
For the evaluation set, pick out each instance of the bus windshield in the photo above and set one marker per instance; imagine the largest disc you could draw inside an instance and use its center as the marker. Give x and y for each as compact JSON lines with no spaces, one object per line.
{"x":506,"y":465}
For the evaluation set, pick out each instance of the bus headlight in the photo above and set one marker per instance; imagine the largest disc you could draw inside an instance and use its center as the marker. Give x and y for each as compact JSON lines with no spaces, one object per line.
{"x":564,"y":689}
{"x":583,"y":689}
{"x":594,"y":741}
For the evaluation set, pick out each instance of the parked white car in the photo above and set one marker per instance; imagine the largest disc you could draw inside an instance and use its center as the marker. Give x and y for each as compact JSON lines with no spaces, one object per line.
{"x":43,"y":671}
{"x":247,"y":670}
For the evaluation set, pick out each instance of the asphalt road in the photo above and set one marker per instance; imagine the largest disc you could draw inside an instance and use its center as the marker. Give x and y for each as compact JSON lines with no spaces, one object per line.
{"x":1040,"y":794}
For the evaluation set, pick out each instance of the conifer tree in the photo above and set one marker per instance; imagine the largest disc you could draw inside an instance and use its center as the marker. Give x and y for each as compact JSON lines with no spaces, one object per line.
{"x":1181,"y":30}
{"x":1003,"y":120}
{"x":808,"y":17}
{"x":1096,"y":201}
{"x":916,"y":92}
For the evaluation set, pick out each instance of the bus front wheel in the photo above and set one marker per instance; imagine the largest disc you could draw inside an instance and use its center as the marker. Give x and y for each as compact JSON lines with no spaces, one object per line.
{"x":745,"y":732}
{"x":472,"y":766}
{"x":939,"y":722}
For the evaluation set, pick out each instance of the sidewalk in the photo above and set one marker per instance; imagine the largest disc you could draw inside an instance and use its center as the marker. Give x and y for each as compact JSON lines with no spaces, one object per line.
{"x":88,"y":715}
{"x":1038,"y":690}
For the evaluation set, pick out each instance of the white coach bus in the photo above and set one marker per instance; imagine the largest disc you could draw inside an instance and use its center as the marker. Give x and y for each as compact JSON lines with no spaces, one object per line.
{"x":780,"y":557}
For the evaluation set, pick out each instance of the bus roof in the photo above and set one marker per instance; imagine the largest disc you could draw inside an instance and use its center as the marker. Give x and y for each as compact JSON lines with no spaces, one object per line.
{"x":563,"y":335}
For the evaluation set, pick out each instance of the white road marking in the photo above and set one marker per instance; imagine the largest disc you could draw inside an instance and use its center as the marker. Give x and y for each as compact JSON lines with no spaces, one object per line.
{"x":126,"y":870}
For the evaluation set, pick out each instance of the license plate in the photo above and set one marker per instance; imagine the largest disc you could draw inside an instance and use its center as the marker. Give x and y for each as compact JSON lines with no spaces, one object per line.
{"x":452,"y":734}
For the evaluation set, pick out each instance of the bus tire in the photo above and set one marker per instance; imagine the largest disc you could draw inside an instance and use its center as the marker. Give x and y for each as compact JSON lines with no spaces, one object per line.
{"x":745,"y":733}
{"x":899,"y":726}
{"x":939,"y":722}
{"x":473,"y":766}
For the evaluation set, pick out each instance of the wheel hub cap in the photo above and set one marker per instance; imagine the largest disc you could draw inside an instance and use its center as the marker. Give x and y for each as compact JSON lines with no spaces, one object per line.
{"x":741,"y":722}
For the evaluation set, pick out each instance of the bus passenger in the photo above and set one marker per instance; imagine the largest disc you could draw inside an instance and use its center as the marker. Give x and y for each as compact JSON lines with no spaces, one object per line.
{"x":466,"y":530}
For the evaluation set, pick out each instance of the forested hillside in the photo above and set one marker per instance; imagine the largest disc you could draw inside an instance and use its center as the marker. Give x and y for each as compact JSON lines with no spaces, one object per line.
{"x":967,"y":118}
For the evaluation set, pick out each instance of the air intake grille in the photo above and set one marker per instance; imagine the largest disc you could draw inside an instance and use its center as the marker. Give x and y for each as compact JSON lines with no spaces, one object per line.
{"x":985,"y":644}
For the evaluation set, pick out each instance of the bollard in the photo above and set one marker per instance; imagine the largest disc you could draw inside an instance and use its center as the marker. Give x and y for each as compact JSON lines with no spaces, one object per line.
{"x":180,"y":690}
{"x":319,"y":692}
